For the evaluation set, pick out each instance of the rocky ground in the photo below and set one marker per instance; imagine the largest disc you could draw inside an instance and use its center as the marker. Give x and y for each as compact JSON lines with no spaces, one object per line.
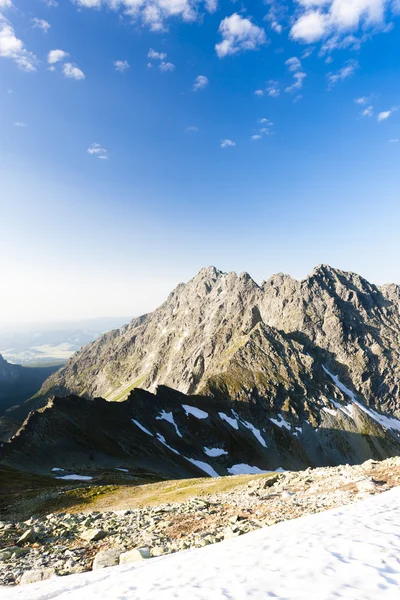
{"x":74,"y":542}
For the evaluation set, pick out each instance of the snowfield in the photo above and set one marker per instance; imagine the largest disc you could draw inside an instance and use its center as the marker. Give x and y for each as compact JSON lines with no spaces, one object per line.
{"x":351,"y":553}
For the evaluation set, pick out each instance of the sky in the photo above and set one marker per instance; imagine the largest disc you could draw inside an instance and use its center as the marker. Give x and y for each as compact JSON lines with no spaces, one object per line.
{"x":141,"y":140}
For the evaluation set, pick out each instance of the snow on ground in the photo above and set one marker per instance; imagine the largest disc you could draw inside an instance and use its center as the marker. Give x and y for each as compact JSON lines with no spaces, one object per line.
{"x":142,"y":427}
{"x":75,"y":477}
{"x":256,"y":433}
{"x":164,"y":416}
{"x":57,"y":469}
{"x":232,"y":422}
{"x":122,"y":470}
{"x":203,"y":466}
{"x":213,"y":452}
{"x":196,"y":412}
{"x":281,"y":422}
{"x":350,"y":553}
{"x":386,"y":422}
{"x":162,"y":439}
{"x":244,"y":469}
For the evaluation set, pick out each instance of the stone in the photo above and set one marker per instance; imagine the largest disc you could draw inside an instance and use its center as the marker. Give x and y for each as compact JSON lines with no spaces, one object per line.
{"x":106,"y":558}
{"x":28,"y":536}
{"x":36,"y":575}
{"x":92,"y":535}
{"x":134,"y":555}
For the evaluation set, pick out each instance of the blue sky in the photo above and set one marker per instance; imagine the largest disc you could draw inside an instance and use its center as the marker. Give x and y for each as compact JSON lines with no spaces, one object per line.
{"x":256,"y":136}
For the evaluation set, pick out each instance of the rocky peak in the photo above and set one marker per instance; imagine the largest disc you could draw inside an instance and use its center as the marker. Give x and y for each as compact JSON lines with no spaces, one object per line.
{"x":220,"y":325}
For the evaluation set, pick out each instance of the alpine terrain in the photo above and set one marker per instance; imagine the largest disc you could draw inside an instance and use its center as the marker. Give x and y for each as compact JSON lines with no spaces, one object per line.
{"x":227,"y":377}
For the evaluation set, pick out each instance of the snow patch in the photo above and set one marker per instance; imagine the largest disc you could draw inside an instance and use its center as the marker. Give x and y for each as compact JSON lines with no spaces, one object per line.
{"x":75,"y":477}
{"x":330,"y":411}
{"x":232,"y":422}
{"x":243,"y":469}
{"x":256,"y":433}
{"x":142,"y":427}
{"x":213,"y":452}
{"x":122,"y":470}
{"x":196,"y":412}
{"x":164,"y":416}
{"x":386,"y":422}
{"x":281,"y":423}
{"x":203,"y":466}
{"x":162,"y":439}
{"x":57,"y":469}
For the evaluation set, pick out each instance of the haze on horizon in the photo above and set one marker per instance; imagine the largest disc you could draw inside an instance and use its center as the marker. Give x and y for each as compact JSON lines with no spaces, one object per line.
{"x":134,"y":152}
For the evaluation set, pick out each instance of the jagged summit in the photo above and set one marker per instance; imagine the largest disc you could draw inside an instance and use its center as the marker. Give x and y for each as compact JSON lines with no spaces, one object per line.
{"x":223,"y":333}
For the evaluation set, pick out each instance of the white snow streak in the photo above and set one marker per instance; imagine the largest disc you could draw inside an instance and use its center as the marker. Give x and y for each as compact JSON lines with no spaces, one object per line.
{"x":196,"y":412}
{"x":232,"y":422}
{"x":281,"y":423}
{"x":74,"y":477}
{"x":213,"y":452}
{"x":256,"y":433}
{"x":203,"y":466}
{"x":164,"y":416}
{"x":386,"y":422}
{"x":142,"y":427}
{"x":162,"y":439}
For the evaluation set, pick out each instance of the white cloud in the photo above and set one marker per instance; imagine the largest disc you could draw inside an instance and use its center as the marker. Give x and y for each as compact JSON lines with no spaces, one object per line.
{"x":73,"y":72}
{"x":96,"y":150}
{"x":227,"y":143}
{"x":394,"y":141}
{"x":5,"y":4}
{"x":154,"y":13}
{"x":272,"y":89}
{"x":309,"y":28}
{"x":256,"y":136}
{"x":259,"y":93}
{"x":156,"y":55}
{"x":201,"y":82}
{"x":347,"y":71}
{"x":385,"y":115}
{"x":239,"y":34}
{"x":322,"y":19}
{"x":13,"y":48}
{"x":368,"y":112}
{"x":166,"y":66}
{"x":192,"y":128}
{"x":41,"y":24}
{"x":51,"y":3}
{"x":121,"y":65}
{"x":278,"y":13}
{"x":19,"y":124}
{"x":298,"y":82}
{"x":362,"y":100}
{"x":293,"y":64}
{"x":55,"y":56}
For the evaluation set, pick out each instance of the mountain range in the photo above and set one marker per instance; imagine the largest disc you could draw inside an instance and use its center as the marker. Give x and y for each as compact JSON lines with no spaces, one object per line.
{"x":285,"y":374}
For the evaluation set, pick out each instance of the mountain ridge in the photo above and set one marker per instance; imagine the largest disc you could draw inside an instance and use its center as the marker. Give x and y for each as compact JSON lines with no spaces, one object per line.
{"x":331,"y":311}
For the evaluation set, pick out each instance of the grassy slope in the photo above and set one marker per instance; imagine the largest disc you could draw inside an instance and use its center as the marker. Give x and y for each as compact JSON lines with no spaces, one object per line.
{"x":24,"y":494}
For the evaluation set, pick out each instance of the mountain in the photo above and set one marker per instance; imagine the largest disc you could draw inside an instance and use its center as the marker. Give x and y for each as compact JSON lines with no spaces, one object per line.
{"x":309,"y":368}
{"x":221,"y":333}
{"x":53,"y":342}
{"x":17,"y":382}
{"x":173,"y":435}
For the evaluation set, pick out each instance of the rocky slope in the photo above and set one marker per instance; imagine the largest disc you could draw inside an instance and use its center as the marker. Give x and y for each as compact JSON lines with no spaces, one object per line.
{"x":116,"y":532}
{"x":172,"y":435}
{"x":223,"y":334}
